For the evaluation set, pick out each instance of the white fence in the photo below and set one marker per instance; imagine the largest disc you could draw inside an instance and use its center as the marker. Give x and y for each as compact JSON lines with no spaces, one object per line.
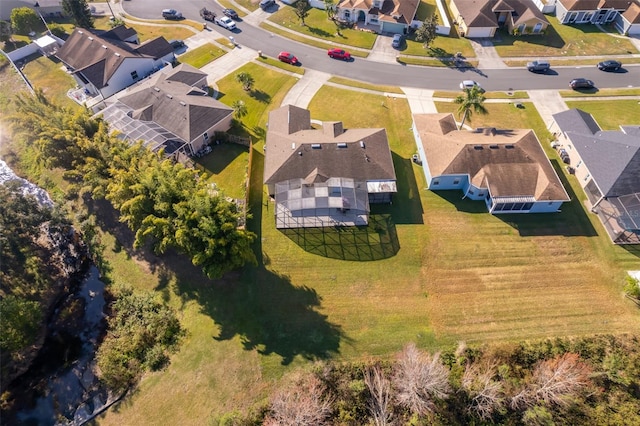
{"x":445,"y":28}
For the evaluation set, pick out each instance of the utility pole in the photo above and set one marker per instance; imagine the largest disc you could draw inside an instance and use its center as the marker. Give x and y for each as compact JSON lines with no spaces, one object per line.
{"x":37,"y":8}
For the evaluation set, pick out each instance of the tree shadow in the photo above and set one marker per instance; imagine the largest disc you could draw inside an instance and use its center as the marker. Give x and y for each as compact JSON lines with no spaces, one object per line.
{"x":550,"y":38}
{"x":378,"y":240}
{"x":260,"y":96}
{"x":320,"y":32}
{"x":221,"y":156}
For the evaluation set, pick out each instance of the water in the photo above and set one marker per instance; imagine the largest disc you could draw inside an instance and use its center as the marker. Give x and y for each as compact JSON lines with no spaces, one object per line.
{"x":28,"y":188}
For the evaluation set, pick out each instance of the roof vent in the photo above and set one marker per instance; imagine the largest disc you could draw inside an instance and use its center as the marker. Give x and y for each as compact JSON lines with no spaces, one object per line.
{"x":293,"y":145}
{"x":509,"y":146}
{"x":183,"y":103}
{"x":104,"y":47}
{"x":316,"y":146}
{"x":80,"y":32}
{"x":169,"y":96}
{"x":493,"y":146}
{"x":117,"y":54}
{"x":477,"y":147}
{"x":300,"y":153}
{"x":361,"y":144}
{"x":342,"y":145}
{"x":157,"y":89}
{"x":90,"y":38}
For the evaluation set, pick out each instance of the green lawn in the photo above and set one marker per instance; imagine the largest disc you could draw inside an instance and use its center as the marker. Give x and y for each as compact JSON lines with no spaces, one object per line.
{"x":563,"y":40}
{"x":600,"y":93}
{"x":201,"y":56}
{"x":442,"y":47}
{"x":426,"y":9}
{"x":319,"y":26}
{"x":626,"y":112}
{"x":227,"y":166}
{"x":274,"y":62}
{"x":47,"y":74}
{"x":362,"y":85}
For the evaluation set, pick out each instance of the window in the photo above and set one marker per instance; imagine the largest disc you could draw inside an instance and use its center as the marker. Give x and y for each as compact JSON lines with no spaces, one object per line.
{"x":205,"y":136}
{"x":527,"y":206}
{"x":435,"y":182}
{"x":134,"y":75}
{"x":471,"y":192}
{"x":456,"y":181}
{"x":587,"y":177}
{"x":481,"y":194}
{"x":579,"y":164}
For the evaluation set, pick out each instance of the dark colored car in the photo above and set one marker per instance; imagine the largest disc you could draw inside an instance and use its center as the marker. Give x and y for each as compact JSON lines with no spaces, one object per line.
{"x":266,"y":4}
{"x":171,"y":14}
{"x":289,"y":58}
{"x":339,"y":54}
{"x":176,"y":44}
{"x":538,"y":66}
{"x":231,"y":13}
{"x":581,"y":83}
{"x":609,"y":65}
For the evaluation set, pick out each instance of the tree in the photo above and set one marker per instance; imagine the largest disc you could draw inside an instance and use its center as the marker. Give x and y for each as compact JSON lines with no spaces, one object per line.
{"x":632,"y":287}
{"x":239,"y":109}
{"x":485,"y":393}
{"x":427,"y":31}
{"x":380,"y":395}
{"x":246,"y":80}
{"x":471,"y":102}
{"x":418,"y":379}
{"x":555,"y":381}
{"x":79,"y":12}
{"x":24,"y":20}
{"x":304,"y":402}
{"x":329,"y":7}
{"x":20,"y":322}
{"x":57,"y":30}
{"x":5,"y":31}
{"x":302,"y":10}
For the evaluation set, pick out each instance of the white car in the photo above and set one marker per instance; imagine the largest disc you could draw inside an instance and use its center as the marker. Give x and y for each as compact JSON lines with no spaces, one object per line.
{"x":468,"y":84}
{"x":225,"y":22}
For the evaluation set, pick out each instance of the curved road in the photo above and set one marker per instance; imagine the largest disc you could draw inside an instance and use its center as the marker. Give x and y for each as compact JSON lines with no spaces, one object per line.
{"x":386,"y":73}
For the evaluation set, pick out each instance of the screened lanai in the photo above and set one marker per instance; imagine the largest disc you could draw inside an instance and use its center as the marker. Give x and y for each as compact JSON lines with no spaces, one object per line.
{"x":621,"y":218}
{"x":334,"y":202}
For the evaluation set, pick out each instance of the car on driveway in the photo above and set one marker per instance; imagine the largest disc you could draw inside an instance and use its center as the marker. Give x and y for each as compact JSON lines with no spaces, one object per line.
{"x":610,"y":65}
{"x":538,"y":66}
{"x":266,"y":4}
{"x":171,"y":14}
{"x":288,"y":58}
{"x":176,"y":44}
{"x":339,"y":54}
{"x":230,"y":13}
{"x":581,"y":83}
{"x":396,"y":41}
{"x":469,"y":84}
{"x":225,"y":22}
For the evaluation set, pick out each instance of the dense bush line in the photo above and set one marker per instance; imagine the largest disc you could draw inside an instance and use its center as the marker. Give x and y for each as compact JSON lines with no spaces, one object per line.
{"x":590,"y":380}
{"x":161,"y":201}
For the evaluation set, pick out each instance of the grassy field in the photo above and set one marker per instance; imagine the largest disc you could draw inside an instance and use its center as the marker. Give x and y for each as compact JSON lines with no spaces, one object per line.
{"x":599,"y":93}
{"x":563,"y":40}
{"x":442,"y":47}
{"x":518,"y":94}
{"x":316,"y":42}
{"x":626,"y":112}
{"x":47,"y":74}
{"x":362,"y":85}
{"x":319,"y":26}
{"x":227,"y":166}
{"x":201,"y":56}
{"x":274,"y":62}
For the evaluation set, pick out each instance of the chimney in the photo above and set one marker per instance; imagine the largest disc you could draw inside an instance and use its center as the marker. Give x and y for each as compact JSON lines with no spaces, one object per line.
{"x":332,"y":128}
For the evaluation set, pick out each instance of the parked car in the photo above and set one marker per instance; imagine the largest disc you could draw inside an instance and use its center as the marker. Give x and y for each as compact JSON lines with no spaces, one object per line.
{"x":581,"y":83}
{"x":339,"y":54}
{"x":266,"y":4}
{"x":396,"y":41}
{"x":610,"y":65}
{"x":171,"y":14}
{"x":230,"y":13}
{"x":207,"y":15}
{"x":538,"y":66}
{"x":225,"y":22}
{"x":177,"y":44}
{"x":469,"y":84}
{"x":289,"y":58}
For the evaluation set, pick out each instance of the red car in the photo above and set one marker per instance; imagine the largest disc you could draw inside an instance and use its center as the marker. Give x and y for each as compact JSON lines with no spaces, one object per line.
{"x":288,"y":58}
{"x":339,"y":54}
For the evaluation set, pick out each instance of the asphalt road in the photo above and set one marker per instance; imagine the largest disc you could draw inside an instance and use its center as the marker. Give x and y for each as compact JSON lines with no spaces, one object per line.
{"x":385,"y":73}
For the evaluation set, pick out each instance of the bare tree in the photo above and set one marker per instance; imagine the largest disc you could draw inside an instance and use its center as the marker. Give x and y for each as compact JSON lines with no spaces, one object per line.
{"x":380,"y":389}
{"x":419,"y":379}
{"x":554,"y":381}
{"x":304,"y":402}
{"x":486,"y":394}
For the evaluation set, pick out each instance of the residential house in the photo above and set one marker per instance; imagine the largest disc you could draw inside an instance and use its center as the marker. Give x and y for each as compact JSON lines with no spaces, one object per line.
{"x":169,"y":111}
{"x":606,"y":163}
{"x":47,"y":8}
{"x":590,"y":11}
{"x":507,"y":169}
{"x":104,"y":63}
{"x":628,"y":22}
{"x":326,"y":176}
{"x":480,"y":19}
{"x":382,"y":16}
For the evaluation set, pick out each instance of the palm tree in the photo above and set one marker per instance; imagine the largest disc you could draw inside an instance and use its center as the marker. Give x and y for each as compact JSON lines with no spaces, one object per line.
{"x":239,"y":109}
{"x":246,"y":80}
{"x":472,"y":101}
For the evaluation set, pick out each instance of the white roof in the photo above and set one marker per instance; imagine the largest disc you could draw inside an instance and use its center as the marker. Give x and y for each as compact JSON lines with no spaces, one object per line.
{"x":45,"y":41}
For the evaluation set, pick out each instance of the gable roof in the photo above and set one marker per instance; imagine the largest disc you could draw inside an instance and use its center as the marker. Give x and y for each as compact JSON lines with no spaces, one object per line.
{"x":632,"y":14}
{"x":511,"y":163}
{"x":612,"y":157}
{"x":573,"y":5}
{"x":121,"y":33}
{"x":485,"y":13}
{"x":179,"y":108}
{"x":98,"y":57}
{"x":401,"y":11}
{"x":296,"y":150}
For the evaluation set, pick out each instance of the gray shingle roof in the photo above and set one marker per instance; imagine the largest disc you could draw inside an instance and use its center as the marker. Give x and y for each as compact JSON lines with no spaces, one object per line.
{"x":296,"y":150}
{"x":612,"y":157}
